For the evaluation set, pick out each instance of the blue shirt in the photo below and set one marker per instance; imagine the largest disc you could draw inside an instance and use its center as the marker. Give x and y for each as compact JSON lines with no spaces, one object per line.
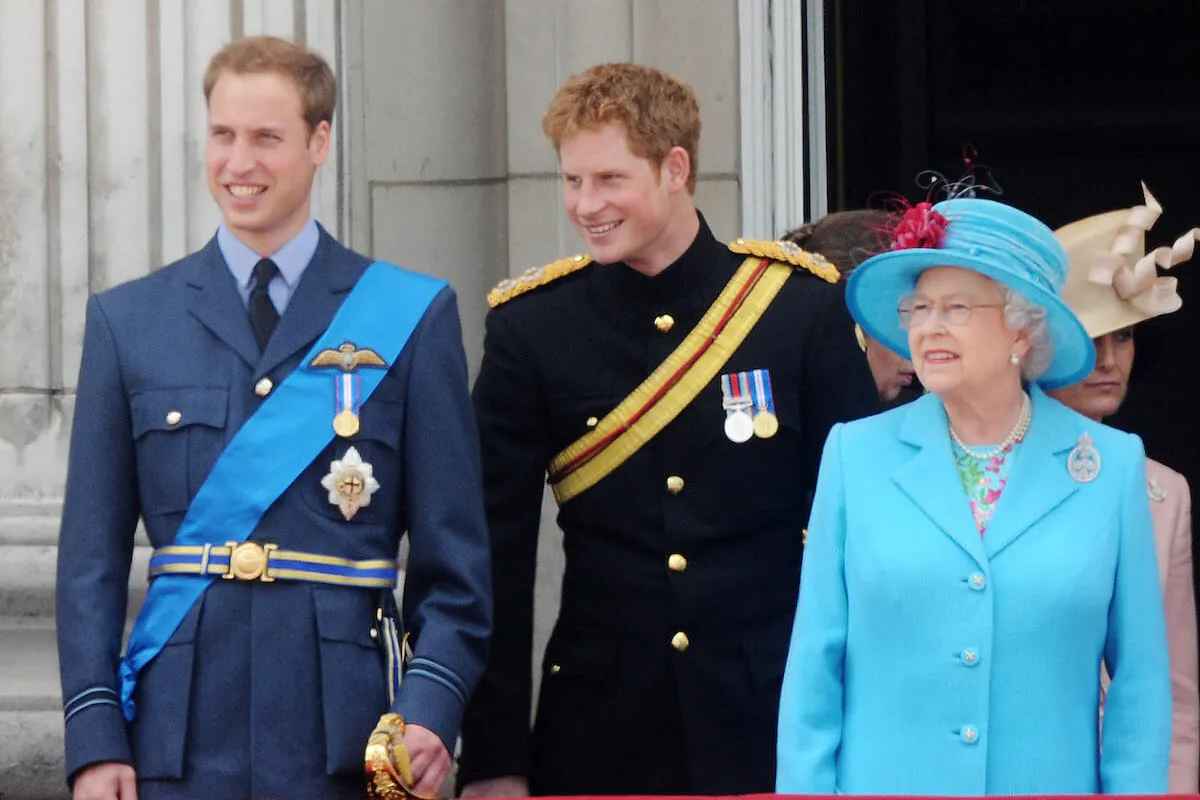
{"x":292,"y":259}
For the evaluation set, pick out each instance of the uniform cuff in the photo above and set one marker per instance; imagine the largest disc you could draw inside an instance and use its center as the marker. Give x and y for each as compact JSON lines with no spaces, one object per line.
{"x":431,"y":701}
{"x":96,"y":734}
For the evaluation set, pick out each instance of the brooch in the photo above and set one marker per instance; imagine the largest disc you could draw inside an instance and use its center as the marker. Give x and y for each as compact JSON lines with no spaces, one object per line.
{"x":1084,"y":461}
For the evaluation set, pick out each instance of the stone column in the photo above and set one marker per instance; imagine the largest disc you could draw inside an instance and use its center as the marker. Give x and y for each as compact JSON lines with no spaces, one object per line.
{"x":102,"y":127}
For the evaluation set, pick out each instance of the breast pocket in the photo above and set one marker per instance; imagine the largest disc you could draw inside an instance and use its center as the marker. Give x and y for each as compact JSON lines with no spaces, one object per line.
{"x":178,"y":435}
{"x":378,"y":442}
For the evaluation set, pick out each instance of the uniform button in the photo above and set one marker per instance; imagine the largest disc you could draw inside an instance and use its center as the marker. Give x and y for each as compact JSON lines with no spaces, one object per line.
{"x":680,"y":641}
{"x":969,"y":656}
{"x":977,"y":582}
{"x":676,"y":562}
{"x":969,"y":734}
{"x":674,"y":484}
{"x":173,"y":417}
{"x":263,"y":387}
{"x":664,"y":323}
{"x":555,"y":669}
{"x":592,"y":422}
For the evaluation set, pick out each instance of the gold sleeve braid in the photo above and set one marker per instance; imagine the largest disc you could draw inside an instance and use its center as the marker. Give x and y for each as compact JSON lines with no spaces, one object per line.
{"x":788,"y":253}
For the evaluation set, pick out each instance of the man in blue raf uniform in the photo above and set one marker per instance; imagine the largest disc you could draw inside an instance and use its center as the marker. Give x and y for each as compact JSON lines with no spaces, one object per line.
{"x":678,"y":391}
{"x":278,"y":411}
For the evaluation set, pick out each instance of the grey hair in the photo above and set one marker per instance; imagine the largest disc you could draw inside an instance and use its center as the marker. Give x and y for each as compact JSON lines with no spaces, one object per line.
{"x":1021,"y":313}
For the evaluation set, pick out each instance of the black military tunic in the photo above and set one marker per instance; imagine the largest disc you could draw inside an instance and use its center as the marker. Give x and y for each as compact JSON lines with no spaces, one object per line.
{"x":682,"y":567}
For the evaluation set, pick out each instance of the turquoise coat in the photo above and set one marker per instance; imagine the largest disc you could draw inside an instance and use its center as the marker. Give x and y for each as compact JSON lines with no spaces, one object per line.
{"x":928,"y":660}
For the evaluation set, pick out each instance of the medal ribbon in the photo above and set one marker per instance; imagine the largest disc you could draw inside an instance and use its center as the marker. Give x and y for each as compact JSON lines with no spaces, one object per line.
{"x":274,"y":446}
{"x":347,"y":393}
{"x":764,"y":399}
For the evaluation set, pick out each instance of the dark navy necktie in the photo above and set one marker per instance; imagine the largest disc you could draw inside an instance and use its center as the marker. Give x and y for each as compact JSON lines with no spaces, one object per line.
{"x":263,"y":316}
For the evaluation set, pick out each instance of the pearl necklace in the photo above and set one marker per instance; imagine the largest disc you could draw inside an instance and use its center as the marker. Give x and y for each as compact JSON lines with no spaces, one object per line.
{"x":1018,"y":430}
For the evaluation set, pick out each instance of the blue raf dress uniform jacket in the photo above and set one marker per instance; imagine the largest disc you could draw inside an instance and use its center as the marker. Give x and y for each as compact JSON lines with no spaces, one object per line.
{"x":265,"y":689}
{"x":928,"y":660}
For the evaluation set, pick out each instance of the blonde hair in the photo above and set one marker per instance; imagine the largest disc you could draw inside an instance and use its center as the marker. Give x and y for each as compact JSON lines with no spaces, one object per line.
{"x":656,"y":111}
{"x":262,"y":54}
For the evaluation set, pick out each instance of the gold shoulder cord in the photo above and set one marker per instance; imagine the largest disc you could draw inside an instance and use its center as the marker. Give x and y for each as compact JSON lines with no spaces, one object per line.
{"x":534,"y":277}
{"x":788,"y":253}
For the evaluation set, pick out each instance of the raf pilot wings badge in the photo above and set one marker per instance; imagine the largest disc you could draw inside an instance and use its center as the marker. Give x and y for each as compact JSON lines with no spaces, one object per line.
{"x":347,"y":358}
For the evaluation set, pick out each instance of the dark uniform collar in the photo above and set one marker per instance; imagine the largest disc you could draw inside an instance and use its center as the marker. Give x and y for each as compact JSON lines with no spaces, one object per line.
{"x":704,"y":258}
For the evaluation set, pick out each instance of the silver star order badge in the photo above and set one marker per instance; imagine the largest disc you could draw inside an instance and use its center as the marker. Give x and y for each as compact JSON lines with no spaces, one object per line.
{"x":350,"y":483}
{"x":1084,"y":461}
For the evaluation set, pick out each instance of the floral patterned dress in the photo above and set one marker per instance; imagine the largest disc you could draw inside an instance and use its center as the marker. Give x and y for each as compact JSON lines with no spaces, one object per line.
{"x":984,"y":480}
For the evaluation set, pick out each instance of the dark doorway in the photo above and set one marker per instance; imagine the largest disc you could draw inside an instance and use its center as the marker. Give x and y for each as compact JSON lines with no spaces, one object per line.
{"x":1070,"y":102}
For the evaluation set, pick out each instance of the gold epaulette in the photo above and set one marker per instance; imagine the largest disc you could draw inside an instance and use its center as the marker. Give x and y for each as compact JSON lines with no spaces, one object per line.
{"x":534,"y":277}
{"x":788,"y":253}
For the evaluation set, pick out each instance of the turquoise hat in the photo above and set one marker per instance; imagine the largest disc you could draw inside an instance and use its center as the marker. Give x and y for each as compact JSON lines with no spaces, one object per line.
{"x":995,"y":240}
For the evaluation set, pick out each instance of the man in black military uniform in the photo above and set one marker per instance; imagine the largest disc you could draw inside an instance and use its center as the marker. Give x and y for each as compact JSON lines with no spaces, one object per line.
{"x":682,"y":503}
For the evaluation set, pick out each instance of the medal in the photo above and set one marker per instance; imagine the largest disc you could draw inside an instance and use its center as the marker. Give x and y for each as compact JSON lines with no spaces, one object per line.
{"x":735,"y":399}
{"x":749,"y":406}
{"x":1083,"y":463}
{"x":345,"y":424}
{"x":766,"y":424}
{"x":739,"y":427}
{"x":346,"y":401}
{"x":350,"y":483}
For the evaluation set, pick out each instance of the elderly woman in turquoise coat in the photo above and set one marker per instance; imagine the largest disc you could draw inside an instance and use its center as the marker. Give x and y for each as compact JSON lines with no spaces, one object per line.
{"x":974,"y":556}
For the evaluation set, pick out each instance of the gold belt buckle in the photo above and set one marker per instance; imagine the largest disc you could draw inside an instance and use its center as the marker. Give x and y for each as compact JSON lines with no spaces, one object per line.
{"x":248,"y":561}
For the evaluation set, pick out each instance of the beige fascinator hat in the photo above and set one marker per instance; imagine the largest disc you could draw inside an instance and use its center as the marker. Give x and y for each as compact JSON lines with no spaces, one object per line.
{"x":1113,"y":282}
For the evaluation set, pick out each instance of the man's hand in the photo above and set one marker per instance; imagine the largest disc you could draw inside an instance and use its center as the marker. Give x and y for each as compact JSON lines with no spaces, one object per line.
{"x":430,"y":759}
{"x":508,"y":786}
{"x":110,"y":780}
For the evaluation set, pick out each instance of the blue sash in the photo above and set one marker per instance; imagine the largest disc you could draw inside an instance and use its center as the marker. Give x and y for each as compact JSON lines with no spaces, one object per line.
{"x":274,"y":446}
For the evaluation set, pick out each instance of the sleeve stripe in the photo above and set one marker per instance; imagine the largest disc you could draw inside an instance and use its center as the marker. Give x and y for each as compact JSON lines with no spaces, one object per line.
{"x":102,"y":701}
{"x":445,"y":672}
{"x":87,"y":692}
{"x":412,"y":673}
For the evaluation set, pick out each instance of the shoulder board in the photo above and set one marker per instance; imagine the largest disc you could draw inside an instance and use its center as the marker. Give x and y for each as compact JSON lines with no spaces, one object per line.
{"x":534,"y":277}
{"x":788,"y":253}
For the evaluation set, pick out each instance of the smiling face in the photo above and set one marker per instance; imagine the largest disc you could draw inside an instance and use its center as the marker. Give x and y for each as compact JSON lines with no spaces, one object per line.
{"x":625,"y":207}
{"x":965,"y":359}
{"x":1101,"y":393}
{"x":261,"y":157}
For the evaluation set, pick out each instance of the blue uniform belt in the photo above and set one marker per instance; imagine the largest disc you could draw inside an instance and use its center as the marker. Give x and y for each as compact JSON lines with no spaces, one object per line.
{"x":266,"y":563}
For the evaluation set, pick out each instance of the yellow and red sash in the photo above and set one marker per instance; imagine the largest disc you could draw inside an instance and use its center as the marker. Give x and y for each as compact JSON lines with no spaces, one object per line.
{"x":674,"y":383}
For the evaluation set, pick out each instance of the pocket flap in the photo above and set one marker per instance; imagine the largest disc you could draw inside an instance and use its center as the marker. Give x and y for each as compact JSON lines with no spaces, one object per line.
{"x":344,"y":615}
{"x":178,"y":408}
